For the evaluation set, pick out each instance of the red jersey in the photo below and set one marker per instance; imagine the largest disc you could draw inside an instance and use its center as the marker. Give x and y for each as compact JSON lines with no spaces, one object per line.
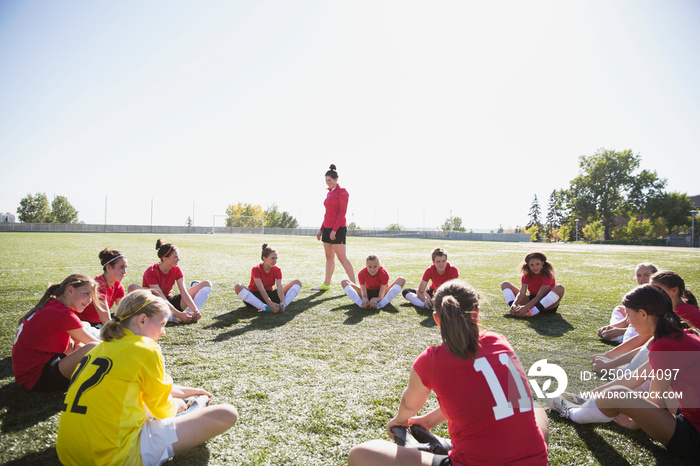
{"x":154,"y":276}
{"x":39,"y":337}
{"x":689,"y":313}
{"x":680,"y":353}
{"x":107,"y":293}
{"x":336,"y":205}
{"x":489,"y":412}
{"x":535,"y":282}
{"x":268,"y":279}
{"x":431,"y":275}
{"x":376,"y":282}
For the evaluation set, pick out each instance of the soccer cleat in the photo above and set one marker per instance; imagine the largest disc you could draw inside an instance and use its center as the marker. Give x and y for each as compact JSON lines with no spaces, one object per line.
{"x":439,"y":446}
{"x":267,"y":308}
{"x":405,"y":291}
{"x":403,"y":438}
{"x":321,"y":287}
{"x":560,"y":405}
{"x":193,"y":283}
{"x":574,"y":398}
{"x":194,"y":403}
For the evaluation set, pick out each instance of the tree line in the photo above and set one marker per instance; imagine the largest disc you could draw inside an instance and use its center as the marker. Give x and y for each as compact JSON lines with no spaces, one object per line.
{"x":36,"y":209}
{"x":611,"y":197}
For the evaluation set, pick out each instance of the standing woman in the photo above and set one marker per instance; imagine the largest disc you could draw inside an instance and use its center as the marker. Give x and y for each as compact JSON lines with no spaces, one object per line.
{"x":109,"y":287}
{"x":160,"y":278}
{"x":334,"y":229}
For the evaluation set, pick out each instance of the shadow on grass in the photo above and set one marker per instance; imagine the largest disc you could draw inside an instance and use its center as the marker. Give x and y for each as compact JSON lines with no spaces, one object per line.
{"x":356,"y":314}
{"x":427,"y":313}
{"x":24,"y":409}
{"x":551,"y":325}
{"x":261,"y":320}
{"x":196,"y":456}
{"x":47,"y":457}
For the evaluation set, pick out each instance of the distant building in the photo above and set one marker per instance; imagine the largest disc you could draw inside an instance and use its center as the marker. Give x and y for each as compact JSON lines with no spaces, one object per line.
{"x":696,"y":200}
{"x":7,"y":217}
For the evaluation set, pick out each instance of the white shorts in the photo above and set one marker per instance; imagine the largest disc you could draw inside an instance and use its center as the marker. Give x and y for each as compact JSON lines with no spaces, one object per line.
{"x":157,"y":438}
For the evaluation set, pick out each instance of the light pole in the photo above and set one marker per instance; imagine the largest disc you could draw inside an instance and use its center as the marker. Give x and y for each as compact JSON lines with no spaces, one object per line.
{"x":576,"y":229}
{"x":692,"y":228}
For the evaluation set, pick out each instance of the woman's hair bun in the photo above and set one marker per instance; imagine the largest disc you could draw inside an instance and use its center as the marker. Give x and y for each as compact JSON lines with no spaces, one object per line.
{"x":332,"y":167}
{"x":264,"y":246}
{"x":159,"y":243}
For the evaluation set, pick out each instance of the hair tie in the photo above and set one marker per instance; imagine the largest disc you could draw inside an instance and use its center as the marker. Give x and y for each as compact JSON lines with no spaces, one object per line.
{"x":113,"y":259}
{"x":122,"y":319}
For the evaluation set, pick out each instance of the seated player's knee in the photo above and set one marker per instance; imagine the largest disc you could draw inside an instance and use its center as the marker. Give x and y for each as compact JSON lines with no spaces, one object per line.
{"x":238,"y":288}
{"x":132,"y":287}
{"x":401,"y":281}
{"x":344,"y":283}
{"x":505,"y":285}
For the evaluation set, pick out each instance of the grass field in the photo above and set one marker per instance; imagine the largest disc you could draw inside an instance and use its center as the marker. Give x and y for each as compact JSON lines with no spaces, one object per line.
{"x":325,"y":375}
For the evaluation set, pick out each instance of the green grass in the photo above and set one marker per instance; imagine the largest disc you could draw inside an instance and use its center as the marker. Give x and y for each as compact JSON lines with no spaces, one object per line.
{"x":325,"y":375}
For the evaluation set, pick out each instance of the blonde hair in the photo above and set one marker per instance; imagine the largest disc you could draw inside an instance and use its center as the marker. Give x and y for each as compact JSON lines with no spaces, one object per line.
{"x":55,"y":290}
{"x":134,"y":304}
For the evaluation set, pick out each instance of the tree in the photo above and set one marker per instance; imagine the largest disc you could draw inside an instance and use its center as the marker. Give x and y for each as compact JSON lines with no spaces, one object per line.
{"x":34,"y":209}
{"x":564,"y":232}
{"x":592,"y":231}
{"x":675,"y":208}
{"x":275,"y":219}
{"x":247,"y":210}
{"x":555,"y":215}
{"x":534,"y":232}
{"x":394,"y":227}
{"x":534,"y":214}
{"x":607,"y":186}
{"x":453,"y":224}
{"x":189,"y":222}
{"x":62,"y":211}
{"x":354,"y":226}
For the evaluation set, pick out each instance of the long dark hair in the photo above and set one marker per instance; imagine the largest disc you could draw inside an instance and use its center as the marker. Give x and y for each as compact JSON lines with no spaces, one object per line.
{"x":547,"y":268}
{"x":456,"y":303}
{"x":656,"y":302}
{"x":673,"y":280}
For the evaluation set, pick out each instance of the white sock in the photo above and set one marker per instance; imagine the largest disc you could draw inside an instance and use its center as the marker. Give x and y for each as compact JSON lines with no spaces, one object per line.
{"x":549,"y":300}
{"x":350,"y":291}
{"x":617,"y":316}
{"x":413,"y":298}
{"x":251,"y":299}
{"x":391,"y":294}
{"x":533,"y":312}
{"x":588,"y":413}
{"x":508,"y":294}
{"x":200,"y":298}
{"x":291,"y":294}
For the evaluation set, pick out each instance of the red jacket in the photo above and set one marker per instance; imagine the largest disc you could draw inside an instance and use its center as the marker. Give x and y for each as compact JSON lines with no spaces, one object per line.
{"x":336,"y":204}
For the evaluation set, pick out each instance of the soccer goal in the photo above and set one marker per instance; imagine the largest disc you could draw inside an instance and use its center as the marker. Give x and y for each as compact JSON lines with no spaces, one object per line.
{"x":238,"y":224}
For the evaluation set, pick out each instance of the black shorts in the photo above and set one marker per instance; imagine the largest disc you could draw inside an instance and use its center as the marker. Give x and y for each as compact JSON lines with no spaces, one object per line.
{"x":51,"y":379}
{"x":339,"y":235}
{"x":430,"y":291}
{"x":441,"y":460}
{"x":176,"y":301}
{"x":686,"y":440}
{"x":274,"y":297}
{"x":372,"y":294}
{"x":539,"y":306}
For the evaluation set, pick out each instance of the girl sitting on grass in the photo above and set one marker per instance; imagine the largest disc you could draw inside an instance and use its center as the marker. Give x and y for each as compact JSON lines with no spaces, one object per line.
{"x":109,"y":288}
{"x":537,"y":278}
{"x":104,"y":419}
{"x":263,"y":278}
{"x":483,"y":393}
{"x":51,"y":340}
{"x":674,"y":362}
{"x":160,"y":278}
{"x":619,"y":330}
{"x":373,"y":291}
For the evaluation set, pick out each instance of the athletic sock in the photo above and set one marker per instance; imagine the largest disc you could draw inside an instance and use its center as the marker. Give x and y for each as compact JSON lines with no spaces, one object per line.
{"x":201,"y":297}
{"x":549,"y":300}
{"x":533,"y":312}
{"x":588,"y":413}
{"x":291,"y":294}
{"x":251,"y":299}
{"x":391,"y":294}
{"x":413,"y":298}
{"x":350,"y":291}
{"x":508,"y":294}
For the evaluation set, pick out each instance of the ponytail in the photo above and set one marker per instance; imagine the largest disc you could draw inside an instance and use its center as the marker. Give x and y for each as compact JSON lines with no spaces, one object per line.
{"x":135,"y":303}
{"x":456,"y":304}
{"x":55,"y":290}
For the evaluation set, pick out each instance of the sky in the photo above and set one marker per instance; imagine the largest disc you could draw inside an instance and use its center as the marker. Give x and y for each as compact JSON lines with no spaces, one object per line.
{"x":153,"y":112}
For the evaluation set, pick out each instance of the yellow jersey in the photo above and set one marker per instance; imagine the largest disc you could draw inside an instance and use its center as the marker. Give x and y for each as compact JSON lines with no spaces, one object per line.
{"x":105,"y":406}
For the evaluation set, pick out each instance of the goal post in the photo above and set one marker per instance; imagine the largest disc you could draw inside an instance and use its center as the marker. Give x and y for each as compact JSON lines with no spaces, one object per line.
{"x":260,"y":217}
